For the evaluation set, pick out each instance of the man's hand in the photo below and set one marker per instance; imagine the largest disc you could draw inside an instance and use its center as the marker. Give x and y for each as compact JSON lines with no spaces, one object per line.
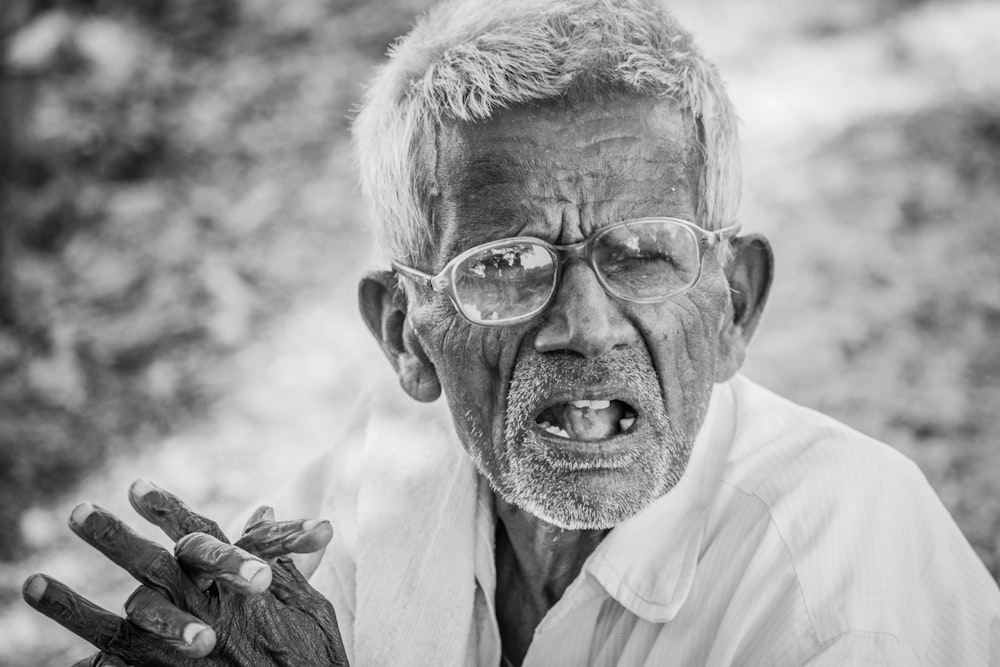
{"x":208,"y":603}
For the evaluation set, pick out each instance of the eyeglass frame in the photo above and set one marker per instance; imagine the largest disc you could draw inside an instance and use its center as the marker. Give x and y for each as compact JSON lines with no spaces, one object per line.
{"x":444,"y":281}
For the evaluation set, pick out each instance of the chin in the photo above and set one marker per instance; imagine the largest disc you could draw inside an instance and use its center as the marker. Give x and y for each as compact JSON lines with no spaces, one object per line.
{"x":588,"y":506}
{"x":578,"y":491}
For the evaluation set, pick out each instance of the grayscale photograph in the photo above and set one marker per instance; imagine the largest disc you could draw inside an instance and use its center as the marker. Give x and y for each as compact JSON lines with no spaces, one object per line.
{"x":500,"y":333}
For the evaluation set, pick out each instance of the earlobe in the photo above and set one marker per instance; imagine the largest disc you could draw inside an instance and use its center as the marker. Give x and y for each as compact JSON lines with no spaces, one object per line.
{"x":383,"y":308}
{"x":749,"y":273}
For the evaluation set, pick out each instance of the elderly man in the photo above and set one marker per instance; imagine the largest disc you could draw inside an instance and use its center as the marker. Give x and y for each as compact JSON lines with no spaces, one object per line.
{"x":554,"y":185}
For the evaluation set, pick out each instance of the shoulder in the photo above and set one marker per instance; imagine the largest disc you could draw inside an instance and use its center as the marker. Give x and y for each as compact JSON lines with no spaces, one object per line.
{"x":866,"y":542}
{"x":781,"y":448}
{"x":773,"y":435}
{"x":789,"y":457}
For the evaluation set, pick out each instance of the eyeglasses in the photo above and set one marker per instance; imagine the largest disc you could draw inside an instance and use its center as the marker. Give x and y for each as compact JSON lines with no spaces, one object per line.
{"x":646,"y":260}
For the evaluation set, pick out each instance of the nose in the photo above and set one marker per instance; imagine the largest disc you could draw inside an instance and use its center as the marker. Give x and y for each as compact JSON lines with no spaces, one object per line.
{"x":582,"y":317}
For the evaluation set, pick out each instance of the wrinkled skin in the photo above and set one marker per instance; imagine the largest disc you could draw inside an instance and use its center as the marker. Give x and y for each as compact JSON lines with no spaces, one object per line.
{"x":209,"y":603}
{"x":560,"y":171}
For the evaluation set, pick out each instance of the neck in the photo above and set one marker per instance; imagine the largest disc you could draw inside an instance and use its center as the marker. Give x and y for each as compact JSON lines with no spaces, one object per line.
{"x":549,"y":557}
{"x":535,"y":562}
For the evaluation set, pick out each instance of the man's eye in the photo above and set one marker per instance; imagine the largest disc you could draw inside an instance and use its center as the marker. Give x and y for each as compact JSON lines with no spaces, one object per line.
{"x":656,"y":258}
{"x":626,"y":261}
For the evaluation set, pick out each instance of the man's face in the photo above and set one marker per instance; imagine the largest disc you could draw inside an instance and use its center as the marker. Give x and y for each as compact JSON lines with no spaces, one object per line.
{"x":587,"y":413}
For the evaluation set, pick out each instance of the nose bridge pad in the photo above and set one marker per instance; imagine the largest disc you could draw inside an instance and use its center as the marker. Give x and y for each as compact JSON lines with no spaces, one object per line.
{"x":568,"y":253}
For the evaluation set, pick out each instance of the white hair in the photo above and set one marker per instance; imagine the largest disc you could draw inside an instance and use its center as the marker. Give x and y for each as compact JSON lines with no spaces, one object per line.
{"x":467,"y":59}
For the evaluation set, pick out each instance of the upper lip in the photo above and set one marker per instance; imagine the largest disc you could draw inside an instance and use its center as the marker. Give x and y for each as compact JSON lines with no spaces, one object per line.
{"x":590,"y":394}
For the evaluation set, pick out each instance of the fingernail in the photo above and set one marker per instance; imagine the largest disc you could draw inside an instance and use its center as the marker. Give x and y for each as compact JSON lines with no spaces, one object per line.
{"x":250,"y":568}
{"x":313,"y":535}
{"x":311,"y":523}
{"x":80,"y":513}
{"x":191,"y":632}
{"x":35,"y":586}
{"x":202,"y":641}
{"x":141,"y":487}
{"x":262,"y":513}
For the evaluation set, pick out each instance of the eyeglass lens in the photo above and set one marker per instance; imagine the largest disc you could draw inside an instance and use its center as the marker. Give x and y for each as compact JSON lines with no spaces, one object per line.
{"x":646,"y":259}
{"x":505,"y":282}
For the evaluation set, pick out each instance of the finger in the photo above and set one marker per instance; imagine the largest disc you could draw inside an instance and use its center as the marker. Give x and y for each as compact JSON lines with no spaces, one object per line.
{"x":100,"y":660}
{"x":262,"y":513}
{"x":166,"y":510}
{"x":271,"y":539}
{"x":206,"y":559}
{"x":71,"y":610}
{"x":155,"y":614}
{"x":292,"y":588}
{"x":144,"y":559}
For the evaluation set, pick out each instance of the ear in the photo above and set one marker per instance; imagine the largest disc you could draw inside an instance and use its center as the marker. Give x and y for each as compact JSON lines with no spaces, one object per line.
{"x":749,"y":272}
{"x":383,"y":306}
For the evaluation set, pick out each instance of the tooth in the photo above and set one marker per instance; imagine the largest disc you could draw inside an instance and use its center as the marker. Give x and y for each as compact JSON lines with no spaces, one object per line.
{"x":626,"y":423}
{"x":555,"y":430}
{"x":593,"y":405}
{"x":544,"y":425}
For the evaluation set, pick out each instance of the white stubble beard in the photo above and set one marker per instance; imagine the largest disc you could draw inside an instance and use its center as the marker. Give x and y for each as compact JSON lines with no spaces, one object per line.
{"x":525,"y":475}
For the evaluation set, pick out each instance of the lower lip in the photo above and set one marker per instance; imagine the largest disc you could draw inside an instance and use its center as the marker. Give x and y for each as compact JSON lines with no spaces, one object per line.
{"x":610,"y":452}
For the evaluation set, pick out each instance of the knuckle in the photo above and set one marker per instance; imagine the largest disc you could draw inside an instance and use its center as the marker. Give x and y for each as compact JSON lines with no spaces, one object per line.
{"x":198,"y":524}
{"x":106,"y":529}
{"x":260,"y":535}
{"x":117,"y":636}
{"x":168,"y":512}
{"x":270,"y":534}
{"x":160,"y":567}
{"x":201,"y":549}
{"x":156,"y":512}
{"x":139,"y":602}
{"x":189,"y":543}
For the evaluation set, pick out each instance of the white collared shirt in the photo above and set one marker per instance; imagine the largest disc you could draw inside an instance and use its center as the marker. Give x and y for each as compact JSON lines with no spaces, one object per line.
{"x":790,"y":540}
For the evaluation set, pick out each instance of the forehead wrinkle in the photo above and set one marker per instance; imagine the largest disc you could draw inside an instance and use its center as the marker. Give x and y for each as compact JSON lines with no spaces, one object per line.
{"x":675,"y":194}
{"x":468,"y":174}
{"x":559,"y":178}
{"x":486,"y":170}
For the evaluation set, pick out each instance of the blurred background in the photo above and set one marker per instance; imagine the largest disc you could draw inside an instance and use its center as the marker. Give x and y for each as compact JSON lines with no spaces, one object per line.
{"x":180,"y":238}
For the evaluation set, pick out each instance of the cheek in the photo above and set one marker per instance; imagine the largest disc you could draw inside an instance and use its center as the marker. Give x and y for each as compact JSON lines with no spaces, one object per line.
{"x":467,"y":360}
{"x":683,"y":335}
{"x":683,"y":341}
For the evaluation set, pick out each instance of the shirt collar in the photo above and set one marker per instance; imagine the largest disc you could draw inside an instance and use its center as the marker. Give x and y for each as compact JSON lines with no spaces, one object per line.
{"x":647,"y":563}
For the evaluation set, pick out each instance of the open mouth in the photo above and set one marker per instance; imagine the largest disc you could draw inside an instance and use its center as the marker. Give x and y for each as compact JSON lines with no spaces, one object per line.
{"x":587,"y":419}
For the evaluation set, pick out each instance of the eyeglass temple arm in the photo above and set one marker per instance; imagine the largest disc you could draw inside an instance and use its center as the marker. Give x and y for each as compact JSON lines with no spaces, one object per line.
{"x":715,"y":237}
{"x":728,"y":232}
{"x":412,"y":273}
